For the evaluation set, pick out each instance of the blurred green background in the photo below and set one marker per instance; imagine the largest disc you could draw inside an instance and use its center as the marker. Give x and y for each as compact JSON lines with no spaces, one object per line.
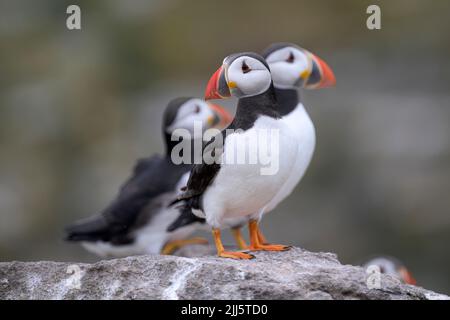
{"x":78,"y":107}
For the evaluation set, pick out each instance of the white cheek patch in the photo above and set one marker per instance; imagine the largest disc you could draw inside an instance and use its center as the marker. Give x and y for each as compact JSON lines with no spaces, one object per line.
{"x":254,"y":82}
{"x":279,"y":55}
{"x":286,"y":75}
{"x":187,"y":118}
{"x":185,"y":123}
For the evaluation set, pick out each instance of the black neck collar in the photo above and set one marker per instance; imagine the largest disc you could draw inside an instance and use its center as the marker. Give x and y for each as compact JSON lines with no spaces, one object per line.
{"x":250,"y":108}
{"x":288,"y":100}
{"x":169,"y":143}
{"x":194,"y":157}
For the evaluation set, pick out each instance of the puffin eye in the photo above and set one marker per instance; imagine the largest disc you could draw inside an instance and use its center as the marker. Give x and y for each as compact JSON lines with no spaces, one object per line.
{"x":197,"y":109}
{"x":291,"y":58}
{"x":245,"y":67}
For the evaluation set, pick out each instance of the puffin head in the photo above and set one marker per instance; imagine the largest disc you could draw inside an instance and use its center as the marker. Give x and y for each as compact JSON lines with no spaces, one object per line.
{"x":241,"y":75}
{"x":392,"y":266}
{"x":293,"y":67}
{"x":184,"y":113}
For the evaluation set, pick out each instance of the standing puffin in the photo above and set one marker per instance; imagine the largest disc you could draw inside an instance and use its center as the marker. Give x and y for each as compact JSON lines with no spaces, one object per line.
{"x":136,"y":220}
{"x":226,"y":189}
{"x":292,"y":68}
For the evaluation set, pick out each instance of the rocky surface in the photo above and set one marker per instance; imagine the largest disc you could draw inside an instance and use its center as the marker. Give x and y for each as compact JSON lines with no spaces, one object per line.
{"x":296,"y":274}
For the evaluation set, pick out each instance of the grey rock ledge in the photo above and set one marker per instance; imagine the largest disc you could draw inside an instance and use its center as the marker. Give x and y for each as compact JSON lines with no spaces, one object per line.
{"x":296,"y":274}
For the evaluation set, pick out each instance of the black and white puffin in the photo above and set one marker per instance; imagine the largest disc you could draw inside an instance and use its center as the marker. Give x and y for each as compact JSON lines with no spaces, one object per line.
{"x":392,"y":266}
{"x":292,"y":68}
{"x":228,"y":189}
{"x":136,"y":220}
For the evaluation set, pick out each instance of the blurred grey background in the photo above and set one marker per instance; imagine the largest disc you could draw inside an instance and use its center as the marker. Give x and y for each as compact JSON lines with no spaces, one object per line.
{"x":78,"y":107}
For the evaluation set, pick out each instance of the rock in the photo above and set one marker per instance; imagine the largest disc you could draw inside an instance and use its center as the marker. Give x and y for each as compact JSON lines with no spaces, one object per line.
{"x":295,"y":274}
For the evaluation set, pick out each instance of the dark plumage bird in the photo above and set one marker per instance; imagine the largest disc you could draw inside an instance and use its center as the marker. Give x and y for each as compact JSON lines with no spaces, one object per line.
{"x":136,"y":221}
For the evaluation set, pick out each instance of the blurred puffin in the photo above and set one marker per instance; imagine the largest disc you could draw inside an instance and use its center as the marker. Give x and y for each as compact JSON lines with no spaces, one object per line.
{"x":392,"y":266}
{"x":292,"y":68}
{"x":226,"y":190}
{"x":136,"y":220}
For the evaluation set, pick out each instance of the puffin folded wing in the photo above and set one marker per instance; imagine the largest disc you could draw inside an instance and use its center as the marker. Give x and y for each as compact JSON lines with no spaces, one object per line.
{"x":186,"y":217}
{"x":200,"y":178}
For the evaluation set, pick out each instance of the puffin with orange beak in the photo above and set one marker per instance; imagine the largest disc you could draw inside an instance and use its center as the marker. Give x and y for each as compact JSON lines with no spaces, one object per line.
{"x":293,"y":68}
{"x":392,"y":266}
{"x":136,"y":221}
{"x":227,"y":189}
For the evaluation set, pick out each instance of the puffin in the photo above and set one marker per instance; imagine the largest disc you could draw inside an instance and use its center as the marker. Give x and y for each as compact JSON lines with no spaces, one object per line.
{"x":292,"y":68}
{"x":227,"y":189}
{"x":136,"y":221}
{"x":392,"y":266}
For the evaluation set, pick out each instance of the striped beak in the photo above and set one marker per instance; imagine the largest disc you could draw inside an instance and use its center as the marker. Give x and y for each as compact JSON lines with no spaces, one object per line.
{"x":407,"y":276}
{"x":321,"y":75}
{"x":217,"y":87}
{"x":222,"y":118}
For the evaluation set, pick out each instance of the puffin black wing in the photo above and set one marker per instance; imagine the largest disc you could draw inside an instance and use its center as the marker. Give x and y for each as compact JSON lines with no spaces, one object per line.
{"x":202,"y":175}
{"x":185,"y":218}
{"x":151,"y":177}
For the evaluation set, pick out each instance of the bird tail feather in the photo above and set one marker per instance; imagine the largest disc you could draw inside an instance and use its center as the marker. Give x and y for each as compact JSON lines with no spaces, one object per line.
{"x":87,"y":230}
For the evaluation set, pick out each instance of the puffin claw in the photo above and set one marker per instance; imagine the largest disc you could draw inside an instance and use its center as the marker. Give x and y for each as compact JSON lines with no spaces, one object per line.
{"x":270,"y":247}
{"x":236,"y":255}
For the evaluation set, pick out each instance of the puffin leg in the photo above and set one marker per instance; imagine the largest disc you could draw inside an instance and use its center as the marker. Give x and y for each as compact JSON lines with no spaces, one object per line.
{"x":262,"y":239}
{"x":256,"y":245}
{"x":237,"y":234}
{"x":171,"y":246}
{"x":228,"y":254}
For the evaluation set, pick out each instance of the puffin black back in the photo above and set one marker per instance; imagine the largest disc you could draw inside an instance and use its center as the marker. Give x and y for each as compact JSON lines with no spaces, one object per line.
{"x":139,"y":212}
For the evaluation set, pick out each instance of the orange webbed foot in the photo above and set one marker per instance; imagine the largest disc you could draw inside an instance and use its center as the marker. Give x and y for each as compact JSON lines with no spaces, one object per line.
{"x":172,"y":246}
{"x":257,"y":240}
{"x":228,"y":254}
{"x":236,"y":255}
{"x":270,"y":247}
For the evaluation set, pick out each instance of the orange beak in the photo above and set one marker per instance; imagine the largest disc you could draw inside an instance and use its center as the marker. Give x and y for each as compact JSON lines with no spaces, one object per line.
{"x":222,"y":114}
{"x":217,"y":87}
{"x":407,"y":276}
{"x":321,"y":75}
